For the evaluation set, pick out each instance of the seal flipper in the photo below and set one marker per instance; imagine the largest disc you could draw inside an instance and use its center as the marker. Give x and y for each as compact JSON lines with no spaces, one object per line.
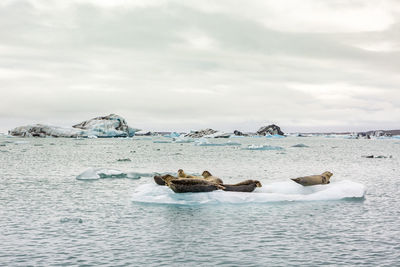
{"x":297,"y":180}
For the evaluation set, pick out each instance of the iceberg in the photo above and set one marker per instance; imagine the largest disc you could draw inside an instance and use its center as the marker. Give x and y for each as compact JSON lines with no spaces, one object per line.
{"x":274,"y":192}
{"x":107,"y":126}
{"x":162,"y":141}
{"x":270,"y":130}
{"x":218,"y":135}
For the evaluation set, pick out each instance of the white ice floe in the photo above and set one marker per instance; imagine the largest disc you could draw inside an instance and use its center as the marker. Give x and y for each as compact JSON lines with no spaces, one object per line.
{"x":204,"y":142}
{"x":263,"y":147}
{"x":182,"y":140}
{"x":102,"y":173}
{"x":274,"y":192}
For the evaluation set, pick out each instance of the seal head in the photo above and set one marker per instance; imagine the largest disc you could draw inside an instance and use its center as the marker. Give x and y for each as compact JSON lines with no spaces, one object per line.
{"x":209,"y":177}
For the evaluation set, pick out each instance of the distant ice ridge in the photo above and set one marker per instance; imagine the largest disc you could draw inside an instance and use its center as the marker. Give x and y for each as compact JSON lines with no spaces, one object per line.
{"x":106,"y":126}
{"x":263,"y":147}
{"x":102,"y":173}
{"x":275,"y":192}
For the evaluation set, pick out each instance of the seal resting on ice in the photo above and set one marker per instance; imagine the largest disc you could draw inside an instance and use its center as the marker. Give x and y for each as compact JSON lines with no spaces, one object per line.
{"x":209,"y":177}
{"x":245,"y":186}
{"x":314,"y":179}
{"x":191,"y":185}
{"x":158,"y":179}
{"x":182,"y":174}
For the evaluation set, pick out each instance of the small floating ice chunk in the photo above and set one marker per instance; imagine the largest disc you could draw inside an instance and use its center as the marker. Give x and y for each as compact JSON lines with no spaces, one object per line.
{"x":66,"y":219}
{"x":98,"y":173}
{"x":162,"y":142}
{"x":182,"y":140}
{"x":275,"y":192}
{"x":21,"y":142}
{"x":102,"y":173}
{"x":124,"y":160}
{"x":142,"y":138}
{"x":205,"y":142}
{"x":300,"y":145}
{"x":263,"y":147}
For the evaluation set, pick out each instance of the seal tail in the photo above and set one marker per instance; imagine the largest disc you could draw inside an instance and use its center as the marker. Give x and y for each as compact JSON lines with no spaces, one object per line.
{"x":220,"y":186}
{"x":297,"y":180}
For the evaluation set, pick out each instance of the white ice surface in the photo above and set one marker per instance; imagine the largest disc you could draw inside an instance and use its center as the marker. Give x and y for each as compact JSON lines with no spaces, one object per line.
{"x":274,"y":192}
{"x":263,"y":147}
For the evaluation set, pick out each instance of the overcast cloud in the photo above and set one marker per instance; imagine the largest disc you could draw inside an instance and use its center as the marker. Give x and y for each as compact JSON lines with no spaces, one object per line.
{"x":306,"y":65}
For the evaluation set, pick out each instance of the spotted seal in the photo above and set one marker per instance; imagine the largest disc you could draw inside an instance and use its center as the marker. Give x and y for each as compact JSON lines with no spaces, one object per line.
{"x":162,"y":180}
{"x":314,"y":179}
{"x":191,"y":185}
{"x":245,"y":186}
{"x":182,"y":174}
{"x":209,"y":177}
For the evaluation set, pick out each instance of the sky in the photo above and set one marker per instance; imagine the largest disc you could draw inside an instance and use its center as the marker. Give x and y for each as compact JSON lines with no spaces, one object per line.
{"x":163,"y":65}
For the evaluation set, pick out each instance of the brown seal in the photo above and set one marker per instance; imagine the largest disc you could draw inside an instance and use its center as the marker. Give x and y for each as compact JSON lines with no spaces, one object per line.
{"x":314,"y":179}
{"x":245,"y":186}
{"x":209,"y":177}
{"x":158,"y":179}
{"x":163,"y":180}
{"x":190,"y":185}
{"x":182,"y":174}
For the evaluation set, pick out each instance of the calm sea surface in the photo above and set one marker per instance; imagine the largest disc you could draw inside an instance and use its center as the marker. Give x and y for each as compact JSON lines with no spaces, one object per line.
{"x":48,"y":217}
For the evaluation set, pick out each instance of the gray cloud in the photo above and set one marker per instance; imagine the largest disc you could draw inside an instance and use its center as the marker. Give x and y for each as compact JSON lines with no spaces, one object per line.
{"x":167,"y":65}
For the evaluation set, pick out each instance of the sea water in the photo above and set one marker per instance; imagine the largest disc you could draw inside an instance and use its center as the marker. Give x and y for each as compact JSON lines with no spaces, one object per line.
{"x":93,"y":202}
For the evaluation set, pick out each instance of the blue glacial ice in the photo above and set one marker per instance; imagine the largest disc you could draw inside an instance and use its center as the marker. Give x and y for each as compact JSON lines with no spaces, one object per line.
{"x":103,"y":173}
{"x":274,"y":192}
{"x":274,"y":136}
